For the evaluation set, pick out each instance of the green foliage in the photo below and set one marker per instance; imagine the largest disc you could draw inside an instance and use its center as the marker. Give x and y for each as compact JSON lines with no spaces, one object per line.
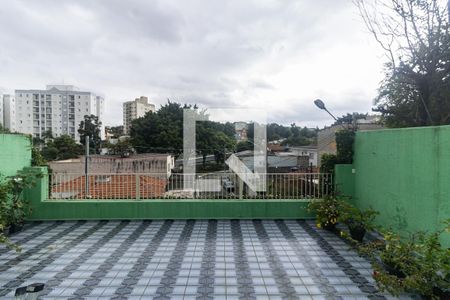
{"x":355,"y":217}
{"x":115,"y":131}
{"x":62,"y":147}
{"x":4,"y":129}
{"x":13,"y":208}
{"x":36,"y":158}
{"x":350,"y":119}
{"x":293,"y":135}
{"x":417,"y":264}
{"x":327,"y":163}
{"x":344,"y":145}
{"x":162,"y":132}
{"x":90,"y":126}
{"x":211,"y":139}
{"x":416,"y":37}
{"x":276,"y":132}
{"x":327,"y":211}
{"x":300,"y":137}
{"x":122,"y":148}
{"x":244,"y":146}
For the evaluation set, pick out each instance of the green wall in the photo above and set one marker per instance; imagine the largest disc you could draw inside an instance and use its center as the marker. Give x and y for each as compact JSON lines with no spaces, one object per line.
{"x":15,"y":153}
{"x":344,"y":180}
{"x":402,"y":173}
{"x":44,"y":209}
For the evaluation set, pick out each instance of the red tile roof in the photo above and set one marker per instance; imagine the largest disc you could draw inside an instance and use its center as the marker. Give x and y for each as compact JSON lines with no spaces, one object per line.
{"x":111,"y":187}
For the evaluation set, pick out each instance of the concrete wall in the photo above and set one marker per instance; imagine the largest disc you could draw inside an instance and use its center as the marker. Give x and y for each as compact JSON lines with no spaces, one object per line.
{"x":46,"y":209}
{"x":404,"y":174}
{"x":15,"y":153}
{"x":99,"y":164}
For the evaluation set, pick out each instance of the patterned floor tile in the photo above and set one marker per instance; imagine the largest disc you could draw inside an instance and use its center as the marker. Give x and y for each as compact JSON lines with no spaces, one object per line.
{"x":224,"y":259}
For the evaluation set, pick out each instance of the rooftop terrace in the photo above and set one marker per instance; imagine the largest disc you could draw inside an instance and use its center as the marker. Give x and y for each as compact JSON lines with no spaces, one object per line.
{"x":229,"y":259}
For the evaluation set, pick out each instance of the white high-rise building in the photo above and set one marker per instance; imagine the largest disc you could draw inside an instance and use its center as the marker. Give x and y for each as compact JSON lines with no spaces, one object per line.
{"x":135,"y":109}
{"x":58,"y":108}
{"x":9,"y":112}
{"x":2,"y":122}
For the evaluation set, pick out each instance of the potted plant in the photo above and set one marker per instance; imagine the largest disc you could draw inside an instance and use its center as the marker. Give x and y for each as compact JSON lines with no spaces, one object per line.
{"x":15,"y":208}
{"x":358,"y":221}
{"x":416,"y":264}
{"x":327,"y":211}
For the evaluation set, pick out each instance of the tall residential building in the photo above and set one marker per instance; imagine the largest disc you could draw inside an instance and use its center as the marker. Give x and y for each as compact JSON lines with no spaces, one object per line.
{"x":2,"y":122}
{"x":9,"y":112}
{"x":135,"y":109}
{"x":59,"y":108}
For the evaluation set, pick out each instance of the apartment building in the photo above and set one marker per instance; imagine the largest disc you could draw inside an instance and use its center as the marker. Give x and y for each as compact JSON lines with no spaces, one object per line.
{"x":59,"y":108}
{"x":2,"y":122}
{"x":135,"y":109}
{"x":8,"y":112}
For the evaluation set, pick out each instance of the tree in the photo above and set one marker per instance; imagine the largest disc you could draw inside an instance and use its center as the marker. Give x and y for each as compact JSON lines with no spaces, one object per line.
{"x":344,"y":146}
{"x":276,"y":132}
{"x":90,"y":126}
{"x":162,"y":132}
{"x":4,"y":129}
{"x":210,"y":139}
{"x":37,"y":159}
{"x":62,"y":147}
{"x":350,"y":118}
{"x":300,"y":137}
{"x":243,"y":146}
{"x":115,"y":131}
{"x":122,"y":148}
{"x":415,"y":36}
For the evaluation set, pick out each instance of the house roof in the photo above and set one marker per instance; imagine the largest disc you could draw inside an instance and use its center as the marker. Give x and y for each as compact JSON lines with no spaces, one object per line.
{"x":111,"y":187}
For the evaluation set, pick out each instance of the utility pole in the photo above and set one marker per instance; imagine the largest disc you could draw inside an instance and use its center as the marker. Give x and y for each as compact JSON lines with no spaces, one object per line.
{"x":86,"y":157}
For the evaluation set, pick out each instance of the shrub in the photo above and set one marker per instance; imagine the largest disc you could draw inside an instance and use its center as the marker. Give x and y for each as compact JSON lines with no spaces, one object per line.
{"x":417,"y":264}
{"x":358,"y":221}
{"x":327,"y":211}
{"x":13,"y":208}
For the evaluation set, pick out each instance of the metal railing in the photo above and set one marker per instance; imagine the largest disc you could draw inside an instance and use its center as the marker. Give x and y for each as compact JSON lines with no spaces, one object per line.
{"x":219,"y":185}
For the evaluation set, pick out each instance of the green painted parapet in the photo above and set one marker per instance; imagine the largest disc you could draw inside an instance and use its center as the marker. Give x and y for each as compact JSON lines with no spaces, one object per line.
{"x":15,"y":153}
{"x":404,"y":174}
{"x":344,"y":180}
{"x":45,"y":209}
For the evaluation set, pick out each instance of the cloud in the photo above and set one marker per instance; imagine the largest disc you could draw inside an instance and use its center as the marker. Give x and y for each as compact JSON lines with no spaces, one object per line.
{"x":279,"y":55}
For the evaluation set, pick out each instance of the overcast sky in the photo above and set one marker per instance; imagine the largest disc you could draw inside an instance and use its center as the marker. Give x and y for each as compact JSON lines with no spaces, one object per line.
{"x":279,"y":55}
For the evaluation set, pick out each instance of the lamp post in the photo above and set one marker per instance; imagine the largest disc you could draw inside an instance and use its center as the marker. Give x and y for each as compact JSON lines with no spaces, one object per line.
{"x":319,"y":103}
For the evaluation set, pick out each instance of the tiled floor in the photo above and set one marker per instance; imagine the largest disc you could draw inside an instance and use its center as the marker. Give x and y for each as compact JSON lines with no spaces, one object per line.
{"x":185,"y":260}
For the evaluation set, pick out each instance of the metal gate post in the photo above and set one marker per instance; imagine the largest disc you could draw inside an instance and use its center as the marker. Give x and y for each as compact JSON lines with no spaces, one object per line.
{"x":138,"y":187}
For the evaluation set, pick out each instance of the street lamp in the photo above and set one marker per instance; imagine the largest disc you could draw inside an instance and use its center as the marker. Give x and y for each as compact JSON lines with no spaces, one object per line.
{"x":319,"y":103}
